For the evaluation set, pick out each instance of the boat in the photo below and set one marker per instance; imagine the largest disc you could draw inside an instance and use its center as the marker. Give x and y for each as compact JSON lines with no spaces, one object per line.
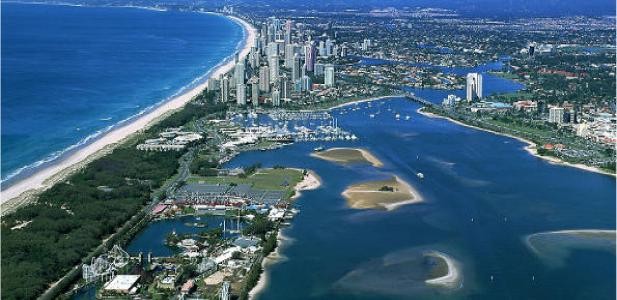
{"x":397,"y":116}
{"x":319,"y":149}
{"x":371,"y":115}
{"x":407,"y":117}
{"x":420,"y":175}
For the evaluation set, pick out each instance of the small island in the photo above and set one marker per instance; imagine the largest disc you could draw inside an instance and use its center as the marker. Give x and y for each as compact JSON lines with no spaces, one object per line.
{"x":349,"y":156}
{"x":386,"y":194}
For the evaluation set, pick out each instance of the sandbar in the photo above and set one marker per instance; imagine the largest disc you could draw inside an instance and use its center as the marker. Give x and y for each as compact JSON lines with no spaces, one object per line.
{"x":349,"y":156}
{"x":386,"y":194}
{"x":452,"y":279}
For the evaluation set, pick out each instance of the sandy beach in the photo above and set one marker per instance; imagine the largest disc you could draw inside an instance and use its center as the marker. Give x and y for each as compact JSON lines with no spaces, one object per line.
{"x":310,"y":181}
{"x":268,"y":261}
{"x":367,"y":195}
{"x":531,"y":147}
{"x":27,"y":188}
{"x":452,"y":279}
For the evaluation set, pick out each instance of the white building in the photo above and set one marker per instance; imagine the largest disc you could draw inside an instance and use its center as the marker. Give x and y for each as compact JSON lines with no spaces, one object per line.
{"x":264,"y":79}
{"x":451,"y":100}
{"x":122,"y":284}
{"x":239,"y":72}
{"x":555,"y":115}
{"x":329,"y":75}
{"x":240,"y":94}
{"x":474,"y":86}
{"x":276,"y":98}
{"x":274,"y":68}
{"x":224,"y":88}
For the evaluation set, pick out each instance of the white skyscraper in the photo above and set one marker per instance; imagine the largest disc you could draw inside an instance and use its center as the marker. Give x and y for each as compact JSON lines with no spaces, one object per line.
{"x":224,"y":88}
{"x":264,"y":79}
{"x":309,"y":56}
{"x":273,"y":49}
{"x":366,"y":44}
{"x":255,"y":93}
{"x":474,"y":86}
{"x":240,"y":94}
{"x":239,"y":72}
{"x":290,"y":51}
{"x":286,"y":87}
{"x":296,"y":68}
{"x":276,"y":98}
{"x":329,"y":75}
{"x":555,"y":115}
{"x":274,"y":68}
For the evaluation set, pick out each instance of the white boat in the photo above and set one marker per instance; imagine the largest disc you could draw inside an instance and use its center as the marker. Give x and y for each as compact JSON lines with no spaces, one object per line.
{"x":371,"y":115}
{"x":420,"y":175}
{"x":397,"y":116}
{"x":407,"y":117}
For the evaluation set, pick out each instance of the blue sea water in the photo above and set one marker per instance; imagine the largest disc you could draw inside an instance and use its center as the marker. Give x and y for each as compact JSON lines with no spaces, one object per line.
{"x":483,"y":195}
{"x":70,"y":73}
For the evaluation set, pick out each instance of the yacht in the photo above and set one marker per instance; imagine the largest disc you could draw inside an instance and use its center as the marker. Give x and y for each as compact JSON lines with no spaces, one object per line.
{"x":420,"y":175}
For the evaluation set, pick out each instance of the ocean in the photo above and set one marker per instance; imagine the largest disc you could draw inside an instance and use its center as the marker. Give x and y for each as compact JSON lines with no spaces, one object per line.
{"x":71,"y":73}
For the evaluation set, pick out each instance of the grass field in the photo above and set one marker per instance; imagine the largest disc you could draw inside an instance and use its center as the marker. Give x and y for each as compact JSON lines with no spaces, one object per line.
{"x":262,"y":179}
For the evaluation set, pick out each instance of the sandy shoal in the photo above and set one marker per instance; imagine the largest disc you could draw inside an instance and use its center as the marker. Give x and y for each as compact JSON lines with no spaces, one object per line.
{"x":335,"y":155}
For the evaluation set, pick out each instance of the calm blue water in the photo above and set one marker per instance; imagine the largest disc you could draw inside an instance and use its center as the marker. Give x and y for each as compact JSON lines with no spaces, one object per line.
{"x":469,"y":174}
{"x":70,"y":73}
{"x":152,"y":238}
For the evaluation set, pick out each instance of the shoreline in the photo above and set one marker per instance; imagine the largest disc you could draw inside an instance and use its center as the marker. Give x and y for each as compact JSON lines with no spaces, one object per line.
{"x":415,"y":196}
{"x":274,"y":257}
{"x":311,"y":181}
{"x":364,"y":100}
{"x":531,"y":147}
{"x":452,"y":278}
{"x":25,"y":189}
{"x":367,"y":155}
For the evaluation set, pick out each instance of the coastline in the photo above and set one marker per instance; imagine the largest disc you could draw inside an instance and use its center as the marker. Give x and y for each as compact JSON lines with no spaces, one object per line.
{"x":310,"y":182}
{"x":531,"y":147}
{"x":27,"y":188}
{"x":364,"y":100}
{"x":266,"y":262}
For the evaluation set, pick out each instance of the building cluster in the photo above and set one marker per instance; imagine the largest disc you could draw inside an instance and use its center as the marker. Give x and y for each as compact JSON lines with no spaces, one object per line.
{"x":172,"y":139}
{"x":285,"y":64}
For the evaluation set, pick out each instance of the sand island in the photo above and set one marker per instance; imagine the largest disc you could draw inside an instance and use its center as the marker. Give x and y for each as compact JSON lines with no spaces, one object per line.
{"x":349,"y":156}
{"x":554,"y":247}
{"x":416,"y":272}
{"x":386,"y":194}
